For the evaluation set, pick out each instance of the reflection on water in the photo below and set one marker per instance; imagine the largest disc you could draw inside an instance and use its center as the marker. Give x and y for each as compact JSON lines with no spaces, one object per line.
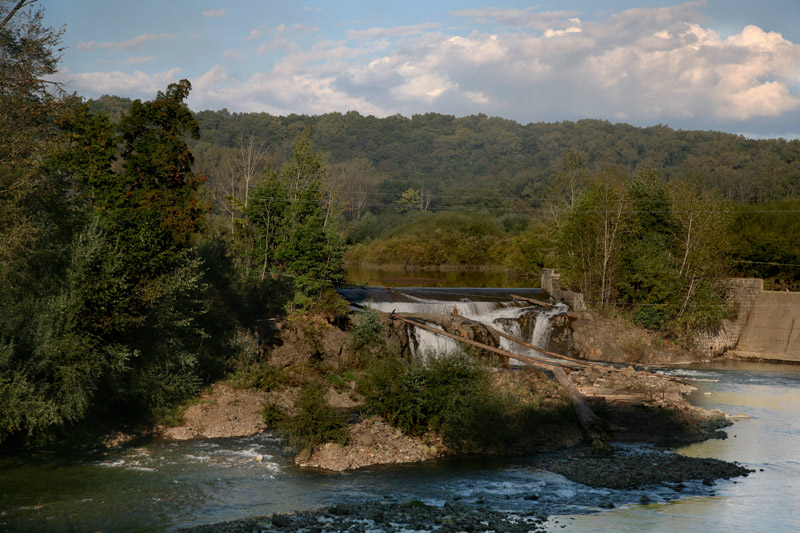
{"x":767,"y":500}
{"x":385,"y":277}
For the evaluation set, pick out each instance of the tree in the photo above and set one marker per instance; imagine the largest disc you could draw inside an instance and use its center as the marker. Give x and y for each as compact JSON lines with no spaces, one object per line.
{"x":590,"y":237}
{"x":158,"y":180}
{"x":28,"y":102}
{"x":295,"y":231}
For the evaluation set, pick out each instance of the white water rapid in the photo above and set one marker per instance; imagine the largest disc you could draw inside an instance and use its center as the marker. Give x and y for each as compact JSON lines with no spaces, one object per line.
{"x":532,"y":324}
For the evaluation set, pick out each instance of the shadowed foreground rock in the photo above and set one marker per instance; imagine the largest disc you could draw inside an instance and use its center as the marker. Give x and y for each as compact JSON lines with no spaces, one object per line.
{"x":634,"y":470}
{"x":382,"y":516}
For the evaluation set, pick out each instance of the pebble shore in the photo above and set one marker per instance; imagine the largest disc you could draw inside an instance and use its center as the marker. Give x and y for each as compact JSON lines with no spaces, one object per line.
{"x":625,"y":470}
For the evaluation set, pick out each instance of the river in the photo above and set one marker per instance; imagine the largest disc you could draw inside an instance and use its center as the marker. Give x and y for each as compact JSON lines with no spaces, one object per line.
{"x":161,"y":486}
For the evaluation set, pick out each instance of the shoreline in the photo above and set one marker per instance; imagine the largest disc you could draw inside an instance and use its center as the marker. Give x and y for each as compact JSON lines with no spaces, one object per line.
{"x":632,"y":470}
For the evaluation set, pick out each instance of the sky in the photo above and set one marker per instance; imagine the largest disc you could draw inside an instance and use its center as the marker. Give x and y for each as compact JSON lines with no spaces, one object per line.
{"x":725,"y":65}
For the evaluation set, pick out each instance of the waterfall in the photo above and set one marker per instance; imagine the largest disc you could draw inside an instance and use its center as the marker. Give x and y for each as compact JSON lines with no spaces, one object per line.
{"x":513,"y":317}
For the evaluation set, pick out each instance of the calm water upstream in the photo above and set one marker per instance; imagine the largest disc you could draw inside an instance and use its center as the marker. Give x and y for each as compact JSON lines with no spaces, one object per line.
{"x":166,"y":485}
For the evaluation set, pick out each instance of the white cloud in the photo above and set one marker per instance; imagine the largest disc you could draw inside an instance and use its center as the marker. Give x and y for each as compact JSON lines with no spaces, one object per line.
{"x":298,"y":93}
{"x":139,"y":60}
{"x":130,"y":44}
{"x":232,"y":54}
{"x":214,"y":13}
{"x":281,"y":29}
{"x":138,"y":83}
{"x":524,"y":18}
{"x":644,"y":65}
{"x":397,"y":31}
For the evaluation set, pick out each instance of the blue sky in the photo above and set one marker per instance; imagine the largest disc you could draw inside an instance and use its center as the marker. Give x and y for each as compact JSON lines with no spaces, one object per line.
{"x":730,"y":65}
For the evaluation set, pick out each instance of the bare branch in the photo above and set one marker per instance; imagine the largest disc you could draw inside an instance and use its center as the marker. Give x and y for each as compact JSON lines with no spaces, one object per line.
{"x":14,"y":10}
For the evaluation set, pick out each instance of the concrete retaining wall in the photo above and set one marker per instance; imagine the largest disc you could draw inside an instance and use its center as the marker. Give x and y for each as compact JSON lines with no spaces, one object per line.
{"x":773,"y":328}
{"x":742,"y":297}
{"x":551,"y":284}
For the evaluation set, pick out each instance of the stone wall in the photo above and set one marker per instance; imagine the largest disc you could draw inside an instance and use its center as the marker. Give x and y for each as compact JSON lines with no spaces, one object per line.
{"x":742,"y":297}
{"x":551,"y":284}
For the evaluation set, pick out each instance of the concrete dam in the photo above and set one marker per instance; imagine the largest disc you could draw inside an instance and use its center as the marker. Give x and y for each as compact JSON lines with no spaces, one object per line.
{"x":772,"y":330}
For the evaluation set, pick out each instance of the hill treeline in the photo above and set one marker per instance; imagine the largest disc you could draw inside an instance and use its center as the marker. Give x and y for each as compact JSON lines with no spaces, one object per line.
{"x":480,"y":161}
{"x":494,"y":176}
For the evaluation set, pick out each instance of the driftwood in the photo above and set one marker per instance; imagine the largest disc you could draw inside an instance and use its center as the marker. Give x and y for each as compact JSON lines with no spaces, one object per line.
{"x":527,"y":344}
{"x":531,"y":300}
{"x":593,"y":428}
{"x":545,"y":365}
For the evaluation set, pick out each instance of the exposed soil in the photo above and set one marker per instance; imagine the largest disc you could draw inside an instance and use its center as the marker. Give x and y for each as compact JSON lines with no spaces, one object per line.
{"x":373,"y":441}
{"x":614,"y":340}
{"x":221,"y":412}
{"x":640,"y":406}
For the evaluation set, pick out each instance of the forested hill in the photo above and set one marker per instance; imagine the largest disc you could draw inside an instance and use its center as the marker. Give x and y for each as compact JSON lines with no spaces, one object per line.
{"x":481,"y":161}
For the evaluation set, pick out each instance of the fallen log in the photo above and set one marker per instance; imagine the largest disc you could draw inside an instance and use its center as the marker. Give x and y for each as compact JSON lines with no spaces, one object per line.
{"x":526,"y":344}
{"x":593,"y":428}
{"x":545,"y":365}
{"x":531,"y":300}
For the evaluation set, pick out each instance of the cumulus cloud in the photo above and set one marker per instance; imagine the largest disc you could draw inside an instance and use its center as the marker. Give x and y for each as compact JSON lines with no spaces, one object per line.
{"x":138,"y":83}
{"x":296,"y":93}
{"x":214,"y":13}
{"x":643,"y":65}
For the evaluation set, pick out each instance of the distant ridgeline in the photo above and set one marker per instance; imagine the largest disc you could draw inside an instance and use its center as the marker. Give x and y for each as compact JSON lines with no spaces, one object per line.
{"x":484,"y":162}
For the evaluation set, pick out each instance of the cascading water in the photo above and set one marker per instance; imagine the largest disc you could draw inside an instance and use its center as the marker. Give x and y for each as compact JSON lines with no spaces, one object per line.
{"x":532,"y":324}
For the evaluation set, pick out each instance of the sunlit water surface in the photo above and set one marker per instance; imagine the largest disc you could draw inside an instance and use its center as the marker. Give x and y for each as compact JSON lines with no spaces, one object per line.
{"x":769,"y":442}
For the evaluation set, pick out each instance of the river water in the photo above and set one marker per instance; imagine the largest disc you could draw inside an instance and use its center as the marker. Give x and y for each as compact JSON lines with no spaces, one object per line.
{"x":162,"y":486}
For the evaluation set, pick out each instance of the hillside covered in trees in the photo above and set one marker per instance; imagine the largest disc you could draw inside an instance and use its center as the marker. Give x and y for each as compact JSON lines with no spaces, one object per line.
{"x":388,"y":176}
{"x":481,"y":161}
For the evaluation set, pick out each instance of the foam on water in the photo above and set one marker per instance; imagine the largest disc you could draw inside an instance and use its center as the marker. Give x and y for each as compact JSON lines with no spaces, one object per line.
{"x":502,"y":315}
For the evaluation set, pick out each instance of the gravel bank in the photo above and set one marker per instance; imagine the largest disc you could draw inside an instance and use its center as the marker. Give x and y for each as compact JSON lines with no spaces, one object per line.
{"x":635,"y":469}
{"x":626,"y":470}
{"x":382,"y":516}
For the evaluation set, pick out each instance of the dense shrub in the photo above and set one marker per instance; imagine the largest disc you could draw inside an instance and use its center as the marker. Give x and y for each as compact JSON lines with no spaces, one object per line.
{"x":315,"y":423}
{"x":450,"y":393}
{"x":368,"y":339}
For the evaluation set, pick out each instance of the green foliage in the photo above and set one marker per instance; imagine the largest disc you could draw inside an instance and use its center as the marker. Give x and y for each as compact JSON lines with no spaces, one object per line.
{"x":445,"y":238}
{"x":658,"y":249}
{"x":449,"y":393}
{"x":765,"y":243}
{"x":478,"y":161}
{"x":273,"y":415}
{"x":106,"y":309}
{"x":261,"y":376}
{"x":591,"y":227}
{"x":293,"y":232}
{"x":315,"y":423}
{"x":368,"y":339}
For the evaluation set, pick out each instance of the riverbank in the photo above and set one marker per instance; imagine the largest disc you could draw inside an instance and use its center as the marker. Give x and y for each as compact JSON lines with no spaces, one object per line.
{"x":633,"y":469}
{"x":640,"y":407}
